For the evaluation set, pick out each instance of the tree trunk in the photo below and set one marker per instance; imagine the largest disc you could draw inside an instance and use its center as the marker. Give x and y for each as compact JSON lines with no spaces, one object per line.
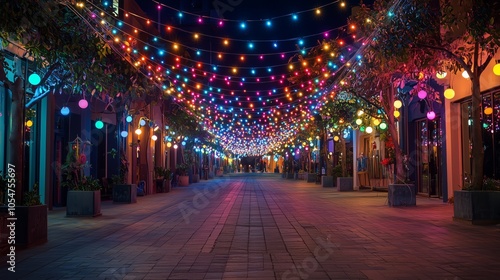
{"x":343,"y":151}
{"x":16,"y":136}
{"x":391,"y":126}
{"x":477,"y":136}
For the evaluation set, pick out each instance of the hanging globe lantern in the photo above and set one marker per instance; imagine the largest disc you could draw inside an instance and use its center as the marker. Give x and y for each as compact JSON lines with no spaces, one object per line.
{"x":398,"y":104}
{"x":488,"y":111}
{"x":83,"y":103}
{"x":99,"y":124}
{"x":496,"y":68}
{"x":34,"y":79}
{"x":431,"y":115}
{"x":441,"y":75}
{"x":449,"y":93}
{"x":124,"y":134}
{"x":422,"y":94}
{"x":465,"y":74}
{"x":65,"y":111}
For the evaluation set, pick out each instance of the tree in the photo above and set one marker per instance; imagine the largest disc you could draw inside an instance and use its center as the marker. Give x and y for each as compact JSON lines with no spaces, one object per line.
{"x":73,"y":58}
{"x":415,"y":39}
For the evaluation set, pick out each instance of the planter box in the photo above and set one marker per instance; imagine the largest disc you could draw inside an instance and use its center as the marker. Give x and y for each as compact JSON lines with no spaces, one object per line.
{"x":83,"y":204}
{"x":160,"y":185}
{"x":196,"y":178}
{"x":183,"y":180}
{"x":327,"y":181}
{"x":477,"y":207}
{"x":31,"y":225}
{"x":402,"y":195}
{"x":344,"y":184}
{"x":125,"y":193}
{"x":311,"y":177}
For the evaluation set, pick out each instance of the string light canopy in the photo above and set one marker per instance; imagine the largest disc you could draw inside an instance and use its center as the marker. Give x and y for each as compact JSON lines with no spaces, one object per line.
{"x":252,"y":90}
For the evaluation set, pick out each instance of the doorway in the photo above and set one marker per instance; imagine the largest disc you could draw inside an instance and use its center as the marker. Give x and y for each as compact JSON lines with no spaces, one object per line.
{"x":428,"y":157}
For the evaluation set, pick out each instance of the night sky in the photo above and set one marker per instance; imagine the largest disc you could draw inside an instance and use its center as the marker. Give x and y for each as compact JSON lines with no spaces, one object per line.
{"x":243,"y":86}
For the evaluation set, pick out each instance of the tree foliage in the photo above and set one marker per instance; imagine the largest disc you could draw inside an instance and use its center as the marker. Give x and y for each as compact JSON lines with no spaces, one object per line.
{"x":411,"y":40}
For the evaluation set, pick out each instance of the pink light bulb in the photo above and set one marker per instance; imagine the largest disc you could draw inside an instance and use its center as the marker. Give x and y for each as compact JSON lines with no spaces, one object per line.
{"x":431,"y":115}
{"x":422,"y":94}
{"x":83,"y":103}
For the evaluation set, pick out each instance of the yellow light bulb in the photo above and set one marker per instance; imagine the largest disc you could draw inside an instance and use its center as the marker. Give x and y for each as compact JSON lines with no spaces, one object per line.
{"x":396,"y":114}
{"x":441,"y":75}
{"x":496,"y":69}
{"x":398,"y":104}
{"x":449,"y":93}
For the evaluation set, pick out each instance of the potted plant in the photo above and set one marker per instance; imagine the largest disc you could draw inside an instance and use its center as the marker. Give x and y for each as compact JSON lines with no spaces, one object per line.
{"x":84,"y":192}
{"x":478,"y":206}
{"x":123,"y":192}
{"x":182,"y":173}
{"x":31,"y":223}
{"x":163,"y":179}
{"x":399,"y":192}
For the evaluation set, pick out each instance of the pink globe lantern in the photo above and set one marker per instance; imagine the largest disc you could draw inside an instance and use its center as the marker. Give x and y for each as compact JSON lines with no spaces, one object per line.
{"x":83,"y":103}
{"x":431,"y":115}
{"x":422,"y":94}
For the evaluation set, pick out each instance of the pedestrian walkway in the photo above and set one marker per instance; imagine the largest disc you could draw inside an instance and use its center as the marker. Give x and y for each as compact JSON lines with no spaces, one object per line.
{"x":260,"y":226}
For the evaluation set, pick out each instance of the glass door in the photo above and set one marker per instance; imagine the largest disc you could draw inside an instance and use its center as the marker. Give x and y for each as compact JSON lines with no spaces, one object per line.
{"x":428,"y":159}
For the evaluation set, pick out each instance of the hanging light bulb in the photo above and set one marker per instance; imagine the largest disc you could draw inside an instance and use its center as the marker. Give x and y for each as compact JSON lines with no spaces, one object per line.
{"x":154,"y":137}
{"x":376,"y":122}
{"x":398,"y":104}
{"x":488,"y":111}
{"x":142,"y":122}
{"x":441,"y":75}
{"x":465,"y":74}
{"x":449,"y":93}
{"x":29,"y":123}
{"x":397,"y":114}
{"x":34,"y":79}
{"x":83,"y":103}
{"x":496,"y":68}
{"x":422,"y":94}
{"x":383,"y":126}
{"x":335,"y":138}
{"x":64,"y":111}
{"x":359,"y":121}
{"x":124,"y":134}
{"x":369,"y":129}
{"x":431,"y":115}
{"x":138,"y":131}
{"x":99,"y":124}
{"x":128,"y":118}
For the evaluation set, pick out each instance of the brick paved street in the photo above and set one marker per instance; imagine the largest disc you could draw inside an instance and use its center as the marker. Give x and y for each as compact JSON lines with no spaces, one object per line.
{"x":260,"y":226}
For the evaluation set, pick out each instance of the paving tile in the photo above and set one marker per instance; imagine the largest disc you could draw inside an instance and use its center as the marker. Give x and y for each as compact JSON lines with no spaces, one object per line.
{"x":260,"y":226}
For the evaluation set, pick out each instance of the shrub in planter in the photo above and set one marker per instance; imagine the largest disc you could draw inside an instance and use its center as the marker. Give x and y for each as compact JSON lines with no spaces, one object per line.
{"x":478,"y":206}
{"x":84,"y":199}
{"x":123,"y":192}
{"x":31,"y":223}
{"x":183,"y":179}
